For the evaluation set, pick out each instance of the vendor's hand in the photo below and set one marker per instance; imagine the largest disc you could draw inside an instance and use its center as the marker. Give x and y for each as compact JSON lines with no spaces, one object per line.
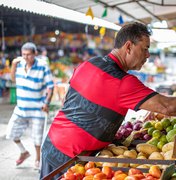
{"x":45,"y":108}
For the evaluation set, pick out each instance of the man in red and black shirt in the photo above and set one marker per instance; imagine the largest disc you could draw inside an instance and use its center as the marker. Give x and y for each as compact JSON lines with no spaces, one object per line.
{"x":100,"y":94}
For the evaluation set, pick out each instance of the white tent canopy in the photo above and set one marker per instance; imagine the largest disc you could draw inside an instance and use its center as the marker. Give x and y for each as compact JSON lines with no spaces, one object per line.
{"x":43,"y":8}
{"x":75,"y":11}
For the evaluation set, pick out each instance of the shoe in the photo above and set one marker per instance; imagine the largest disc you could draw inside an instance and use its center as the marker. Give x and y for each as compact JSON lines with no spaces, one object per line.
{"x":37,"y":165}
{"x":23,"y":156}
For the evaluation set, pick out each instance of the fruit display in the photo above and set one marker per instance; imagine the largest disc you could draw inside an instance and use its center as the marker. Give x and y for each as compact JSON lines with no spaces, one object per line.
{"x":161,"y":132}
{"x":90,"y":171}
{"x":155,"y":132}
{"x":127,"y":128}
{"x":148,"y":159}
{"x":142,"y":151}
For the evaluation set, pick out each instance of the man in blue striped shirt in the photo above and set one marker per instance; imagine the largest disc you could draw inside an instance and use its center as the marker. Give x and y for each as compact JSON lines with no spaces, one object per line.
{"x":34,"y":88}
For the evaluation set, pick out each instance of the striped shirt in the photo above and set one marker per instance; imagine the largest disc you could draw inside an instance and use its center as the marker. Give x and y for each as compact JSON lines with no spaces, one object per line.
{"x":31,"y":89}
{"x":97,"y":101}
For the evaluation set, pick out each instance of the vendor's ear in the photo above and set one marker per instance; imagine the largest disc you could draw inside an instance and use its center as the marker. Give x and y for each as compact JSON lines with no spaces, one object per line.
{"x":128,"y":46}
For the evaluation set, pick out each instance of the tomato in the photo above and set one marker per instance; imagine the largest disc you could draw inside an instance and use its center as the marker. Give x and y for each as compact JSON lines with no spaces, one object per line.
{"x":121,"y":176}
{"x":89,"y":165}
{"x":108,"y":171}
{"x":78,"y":168}
{"x":139,"y":176}
{"x":155,"y":171}
{"x":148,"y":177}
{"x":133,"y":171}
{"x":78,"y":176}
{"x":90,"y":177}
{"x":118,"y":172}
{"x":92,"y":171}
{"x":70,"y":176}
{"x":131,"y":177}
{"x":99,"y":176}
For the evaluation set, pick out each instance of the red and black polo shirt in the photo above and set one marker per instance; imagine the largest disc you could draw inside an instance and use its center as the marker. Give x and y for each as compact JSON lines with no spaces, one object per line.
{"x":98,"y":98}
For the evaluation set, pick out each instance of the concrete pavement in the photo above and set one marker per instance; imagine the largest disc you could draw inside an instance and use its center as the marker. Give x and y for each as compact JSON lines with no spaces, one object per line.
{"x":9,"y":151}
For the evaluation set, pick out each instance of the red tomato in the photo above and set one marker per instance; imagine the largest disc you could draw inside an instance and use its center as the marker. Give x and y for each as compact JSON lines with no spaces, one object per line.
{"x":139,"y":176}
{"x":78,"y":176}
{"x":118,"y":172}
{"x":90,"y":177}
{"x":108,"y":171}
{"x":70,"y":176}
{"x":149,"y":178}
{"x":99,"y":176}
{"x":92,"y":171}
{"x":132,"y":177}
{"x":89,"y":165}
{"x":133,"y":171}
{"x":121,"y":176}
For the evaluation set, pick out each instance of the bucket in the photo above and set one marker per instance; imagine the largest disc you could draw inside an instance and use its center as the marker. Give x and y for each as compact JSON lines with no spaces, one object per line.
{"x":13,"y":98}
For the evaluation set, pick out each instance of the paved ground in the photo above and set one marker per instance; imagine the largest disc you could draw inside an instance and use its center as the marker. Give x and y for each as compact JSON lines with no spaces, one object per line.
{"x":9,"y":151}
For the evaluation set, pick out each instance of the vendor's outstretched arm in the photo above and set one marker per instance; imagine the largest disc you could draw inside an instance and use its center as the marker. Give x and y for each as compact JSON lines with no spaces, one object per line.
{"x":161,"y":104}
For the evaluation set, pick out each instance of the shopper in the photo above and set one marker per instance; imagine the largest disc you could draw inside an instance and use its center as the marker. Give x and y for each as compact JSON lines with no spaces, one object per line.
{"x":100,"y":94}
{"x":32,"y":78}
{"x":42,"y":55}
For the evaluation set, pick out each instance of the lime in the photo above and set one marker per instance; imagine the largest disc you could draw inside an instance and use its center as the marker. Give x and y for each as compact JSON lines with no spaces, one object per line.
{"x":174,"y":127}
{"x":158,"y":126}
{"x":160,"y":144}
{"x":165,"y":123}
{"x":163,"y":139}
{"x":153,"y":123}
{"x":154,"y":141}
{"x":147,"y":125}
{"x":150,"y":131}
{"x":173,"y":121}
{"x":169,"y":128}
{"x":156,"y":133}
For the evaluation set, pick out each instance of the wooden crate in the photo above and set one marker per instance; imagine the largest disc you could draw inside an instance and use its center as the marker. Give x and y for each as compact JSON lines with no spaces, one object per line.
{"x":84,"y":159}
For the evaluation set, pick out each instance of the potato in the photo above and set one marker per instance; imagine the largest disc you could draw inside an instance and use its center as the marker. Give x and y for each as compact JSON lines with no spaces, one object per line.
{"x":156,"y":155}
{"x":130,"y":154}
{"x":168,"y":155}
{"x":106,"y":152}
{"x":167,"y":147}
{"x":134,"y":151}
{"x":123,"y":147}
{"x":122,"y":164}
{"x":110,"y":146}
{"x":146,"y":148}
{"x":142,"y":154}
{"x":110,"y":164}
{"x":141,"y":157}
{"x":135,"y":165}
{"x":143,"y":166}
{"x":99,"y":164}
{"x":117,"y":150}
